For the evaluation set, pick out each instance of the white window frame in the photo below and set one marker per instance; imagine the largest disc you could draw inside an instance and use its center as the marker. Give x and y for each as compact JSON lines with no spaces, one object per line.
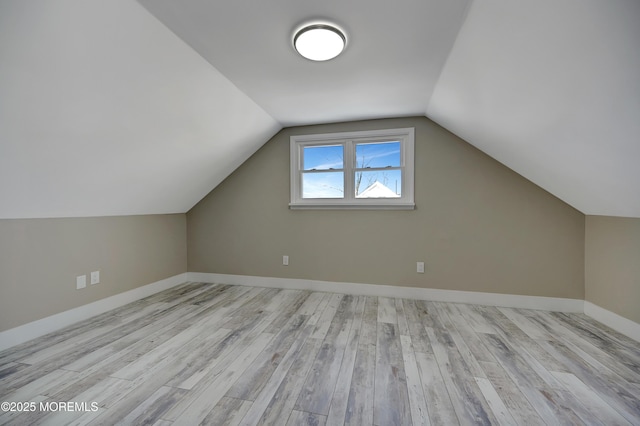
{"x":406,"y":137}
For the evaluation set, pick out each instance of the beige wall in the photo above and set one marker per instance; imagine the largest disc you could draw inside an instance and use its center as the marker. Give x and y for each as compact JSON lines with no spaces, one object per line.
{"x":478,"y":225}
{"x":612,"y":257}
{"x":40,"y":259}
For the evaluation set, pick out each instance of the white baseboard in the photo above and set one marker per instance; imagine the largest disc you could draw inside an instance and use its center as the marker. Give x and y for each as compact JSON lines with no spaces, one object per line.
{"x":470,"y":297}
{"x":56,"y":322}
{"x":29,"y":331}
{"x":621,"y":324}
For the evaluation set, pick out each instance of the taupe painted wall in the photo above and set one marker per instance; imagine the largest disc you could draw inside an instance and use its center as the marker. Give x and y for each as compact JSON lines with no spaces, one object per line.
{"x":478,"y":225}
{"x":612,"y":258}
{"x":40,"y":259}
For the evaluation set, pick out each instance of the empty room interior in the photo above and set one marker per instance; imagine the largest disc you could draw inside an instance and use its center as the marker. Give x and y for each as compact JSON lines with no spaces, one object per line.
{"x":289,"y":212}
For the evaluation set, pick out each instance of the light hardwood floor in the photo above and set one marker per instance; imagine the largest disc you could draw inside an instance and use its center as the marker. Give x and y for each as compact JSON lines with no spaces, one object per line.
{"x":223,"y":355}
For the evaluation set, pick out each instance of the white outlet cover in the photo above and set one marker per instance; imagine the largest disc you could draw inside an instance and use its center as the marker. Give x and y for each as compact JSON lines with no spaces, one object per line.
{"x":95,"y":277}
{"x":420,"y":267}
{"x":285,"y":260}
{"x":81,"y":282}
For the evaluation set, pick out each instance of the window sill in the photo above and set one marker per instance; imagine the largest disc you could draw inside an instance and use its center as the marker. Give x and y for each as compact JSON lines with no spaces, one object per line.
{"x":352,"y":206}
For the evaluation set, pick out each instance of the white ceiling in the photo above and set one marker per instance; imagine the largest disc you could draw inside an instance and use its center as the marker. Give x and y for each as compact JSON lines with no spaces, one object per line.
{"x":552,"y":89}
{"x":395,"y":52}
{"x":104,"y":110}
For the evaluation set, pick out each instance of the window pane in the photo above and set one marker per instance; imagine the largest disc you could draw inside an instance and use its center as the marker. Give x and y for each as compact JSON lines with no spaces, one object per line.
{"x":324,"y":157}
{"x":379,"y":154}
{"x":323,"y":185}
{"x":378,"y":184}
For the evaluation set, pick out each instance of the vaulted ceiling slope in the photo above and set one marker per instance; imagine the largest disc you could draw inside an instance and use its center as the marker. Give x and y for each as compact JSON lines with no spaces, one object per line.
{"x":104,"y":111}
{"x":107,"y":108}
{"x":552,"y":89}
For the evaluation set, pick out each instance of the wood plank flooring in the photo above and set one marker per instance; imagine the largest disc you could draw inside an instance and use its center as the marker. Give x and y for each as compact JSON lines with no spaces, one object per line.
{"x":231,"y":355}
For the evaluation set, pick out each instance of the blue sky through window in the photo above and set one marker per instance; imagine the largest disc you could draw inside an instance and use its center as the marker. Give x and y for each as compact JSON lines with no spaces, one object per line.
{"x":323,"y":185}
{"x":385,"y":154}
{"x":323,"y":157}
{"x":379,"y":155}
{"x":324,"y":182}
{"x":327,"y":184}
{"x":392,"y":179}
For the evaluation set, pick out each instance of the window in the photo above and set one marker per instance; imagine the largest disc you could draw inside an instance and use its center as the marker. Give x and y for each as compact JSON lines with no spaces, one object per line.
{"x":369,"y":169}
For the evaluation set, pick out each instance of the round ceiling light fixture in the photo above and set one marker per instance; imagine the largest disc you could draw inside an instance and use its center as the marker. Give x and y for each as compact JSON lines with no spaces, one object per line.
{"x":319,"y":42}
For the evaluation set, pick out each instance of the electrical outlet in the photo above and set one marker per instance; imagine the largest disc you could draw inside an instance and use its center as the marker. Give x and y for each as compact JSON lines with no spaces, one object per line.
{"x":81,"y":282}
{"x":95,"y":277}
{"x":420,"y":267}
{"x":285,"y":260}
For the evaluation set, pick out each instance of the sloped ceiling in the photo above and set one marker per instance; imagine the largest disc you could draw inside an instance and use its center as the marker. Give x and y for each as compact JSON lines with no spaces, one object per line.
{"x":104,"y":111}
{"x":552,"y":89}
{"x":109,"y":109}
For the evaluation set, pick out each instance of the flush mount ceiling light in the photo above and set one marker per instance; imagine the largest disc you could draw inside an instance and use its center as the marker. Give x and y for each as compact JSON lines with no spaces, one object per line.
{"x":319,"y":42}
